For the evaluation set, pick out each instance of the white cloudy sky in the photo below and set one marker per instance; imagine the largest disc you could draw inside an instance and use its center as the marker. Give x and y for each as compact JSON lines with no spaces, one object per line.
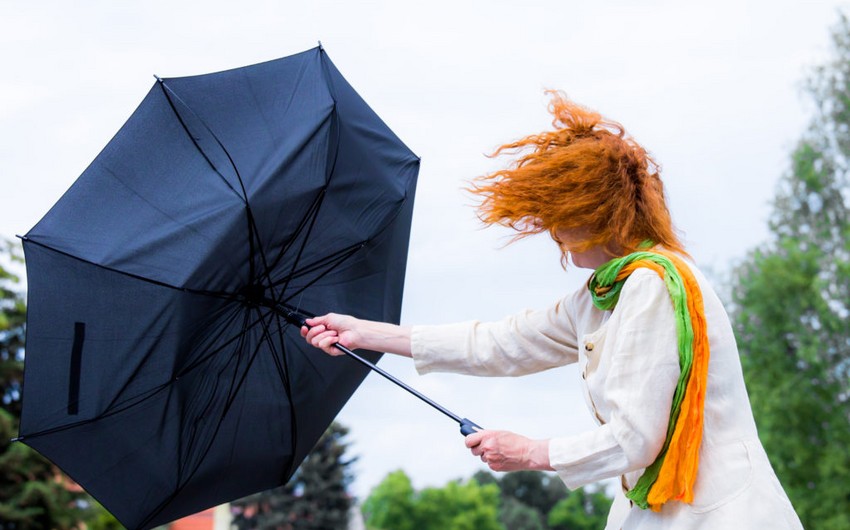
{"x":712,"y":88}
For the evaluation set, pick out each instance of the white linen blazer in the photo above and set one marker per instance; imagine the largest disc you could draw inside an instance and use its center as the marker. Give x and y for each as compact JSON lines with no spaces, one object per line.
{"x":629,"y":364}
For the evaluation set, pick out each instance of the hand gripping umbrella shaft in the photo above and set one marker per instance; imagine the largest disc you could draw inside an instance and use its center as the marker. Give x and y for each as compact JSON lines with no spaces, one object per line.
{"x":467,"y":426}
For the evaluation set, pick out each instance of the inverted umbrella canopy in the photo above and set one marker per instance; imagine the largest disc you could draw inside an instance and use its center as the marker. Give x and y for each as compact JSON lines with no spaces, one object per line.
{"x":161,"y":371}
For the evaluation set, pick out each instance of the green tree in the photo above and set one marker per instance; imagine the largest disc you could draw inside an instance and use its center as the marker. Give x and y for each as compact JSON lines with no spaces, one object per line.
{"x":791,"y":309}
{"x":581,"y":510}
{"x":529,"y":498}
{"x":534,"y":489}
{"x":395,"y":505}
{"x":314,"y":499}
{"x":391,"y":503}
{"x":12,"y":325}
{"x":516,"y":515}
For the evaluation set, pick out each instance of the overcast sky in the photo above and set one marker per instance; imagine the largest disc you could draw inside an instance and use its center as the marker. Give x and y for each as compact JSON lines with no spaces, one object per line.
{"x":711,"y":88}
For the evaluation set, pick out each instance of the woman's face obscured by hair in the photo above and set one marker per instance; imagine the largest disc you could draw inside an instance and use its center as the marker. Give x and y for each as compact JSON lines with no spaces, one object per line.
{"x":591,"y":258}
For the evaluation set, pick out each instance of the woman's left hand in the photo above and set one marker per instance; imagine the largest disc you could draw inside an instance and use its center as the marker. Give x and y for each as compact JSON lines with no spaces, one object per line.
{"x":507,"y":451}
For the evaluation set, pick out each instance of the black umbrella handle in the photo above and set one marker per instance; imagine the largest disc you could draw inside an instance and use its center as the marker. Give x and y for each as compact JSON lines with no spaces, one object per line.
{"x":467,"y":427}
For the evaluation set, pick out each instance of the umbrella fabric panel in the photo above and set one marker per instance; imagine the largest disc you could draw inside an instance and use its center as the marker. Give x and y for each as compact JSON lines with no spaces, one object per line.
{"x":153,"y":211}
{"x":358,"y":184}
{"x":132,"y":337}
{"x":262,"y":114}
{"x":276,"y":121}
{"x":182,"y":398}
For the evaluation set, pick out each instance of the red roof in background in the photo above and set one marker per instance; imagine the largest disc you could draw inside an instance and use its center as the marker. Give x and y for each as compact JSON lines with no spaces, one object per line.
{"x":200,"y":521}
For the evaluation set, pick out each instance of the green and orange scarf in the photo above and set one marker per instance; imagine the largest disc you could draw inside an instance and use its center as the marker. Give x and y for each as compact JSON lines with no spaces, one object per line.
{"x":671,"y":476}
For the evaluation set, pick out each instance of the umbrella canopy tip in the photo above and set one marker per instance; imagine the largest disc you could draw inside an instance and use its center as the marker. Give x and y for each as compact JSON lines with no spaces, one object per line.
{"x":158,"y":78}
{"x":18,"y":439}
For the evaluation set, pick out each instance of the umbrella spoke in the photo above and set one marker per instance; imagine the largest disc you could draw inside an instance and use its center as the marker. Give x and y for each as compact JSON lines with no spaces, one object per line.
{"x":313,"y":213}
{"x":342,"y":259}
{"x":331,"y":258}
{"x":254,"y":240}
{"x":123,"y":405}
{"x":283,"y":372}
{"x":183,"y":482}
{"x":195,"y":417}
{"x":167,"y":92}
{"x":224,"y":295}
{"x":309,"y":216}
{"x":222,"y":326}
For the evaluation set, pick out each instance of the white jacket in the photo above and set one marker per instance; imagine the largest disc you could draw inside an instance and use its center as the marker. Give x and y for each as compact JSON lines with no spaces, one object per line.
{"x":629,"y":363}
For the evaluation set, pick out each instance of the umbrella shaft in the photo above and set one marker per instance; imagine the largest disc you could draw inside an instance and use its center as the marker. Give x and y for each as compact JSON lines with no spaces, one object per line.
{"x":294,"y":318}
{"x":400,"y":383}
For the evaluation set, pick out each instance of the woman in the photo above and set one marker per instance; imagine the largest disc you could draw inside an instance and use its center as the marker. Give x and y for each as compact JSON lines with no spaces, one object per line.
{"x":654,"y":345}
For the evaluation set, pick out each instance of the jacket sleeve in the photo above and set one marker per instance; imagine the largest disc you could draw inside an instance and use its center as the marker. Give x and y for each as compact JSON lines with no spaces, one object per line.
{"x":524,"y":343}
{"x":643,"y":368}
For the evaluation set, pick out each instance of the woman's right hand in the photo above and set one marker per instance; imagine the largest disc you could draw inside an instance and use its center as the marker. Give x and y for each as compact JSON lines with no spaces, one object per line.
{"x":327,"y":330}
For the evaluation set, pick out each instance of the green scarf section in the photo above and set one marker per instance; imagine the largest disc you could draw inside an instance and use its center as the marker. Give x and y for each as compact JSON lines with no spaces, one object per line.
{"x":605,"y":286}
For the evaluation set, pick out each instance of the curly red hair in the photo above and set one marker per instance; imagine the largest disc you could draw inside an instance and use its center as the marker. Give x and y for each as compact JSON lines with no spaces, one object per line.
{"x":587,"y":176}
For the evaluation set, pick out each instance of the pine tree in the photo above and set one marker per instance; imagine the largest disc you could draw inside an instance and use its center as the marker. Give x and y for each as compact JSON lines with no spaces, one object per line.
{"x":314,"y":499}
{"x":791,"y":309}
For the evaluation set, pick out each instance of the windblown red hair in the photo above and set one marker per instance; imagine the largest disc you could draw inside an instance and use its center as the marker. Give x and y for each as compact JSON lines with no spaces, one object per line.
{"x":587,"y":175}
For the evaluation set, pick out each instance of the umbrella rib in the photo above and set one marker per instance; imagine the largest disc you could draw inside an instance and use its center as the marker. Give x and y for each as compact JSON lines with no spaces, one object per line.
{"x":214,"y":294}
{"x":313,"y":213}
{"x":238,"y":350}
{"x":166,"y":90}
{"x":253,"y":231}
{"x":324,"y":273}
{"x":303,"y":245}
{"x":283,"y":372}
{"x":318,"y":264}
{"x":361,"y":245}
{"x":301,"y":224}
{"x":201,"y":457}
{"x":135,"y":400}
{"x":220,"y":332}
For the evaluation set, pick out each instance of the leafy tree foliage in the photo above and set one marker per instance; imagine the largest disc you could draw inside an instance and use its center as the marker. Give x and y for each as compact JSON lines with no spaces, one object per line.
{"x":535,"y":489}
{"x":791,"y":309}
{"x":523,"y":500}
{"x":581,"y":510}
{"x":395,"y":505}
{"x":516,"y":515}
{"x":314,"y":499}
{"x":392,"y":504}
{"x":12,"y":322}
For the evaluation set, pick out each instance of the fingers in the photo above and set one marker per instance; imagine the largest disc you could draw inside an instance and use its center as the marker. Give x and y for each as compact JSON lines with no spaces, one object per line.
{"x":474,"y":439}
{"x":315,"y":321}
{"x":321,"y":337}
{"x":327,"y":330}
{"x":500,"y":450}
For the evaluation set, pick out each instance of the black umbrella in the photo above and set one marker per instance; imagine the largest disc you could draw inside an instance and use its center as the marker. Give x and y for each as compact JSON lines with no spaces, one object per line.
{"x":163,"y":370}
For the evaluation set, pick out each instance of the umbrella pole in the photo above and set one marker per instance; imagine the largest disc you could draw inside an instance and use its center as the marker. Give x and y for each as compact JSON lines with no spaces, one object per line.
{"x":467,"y":426}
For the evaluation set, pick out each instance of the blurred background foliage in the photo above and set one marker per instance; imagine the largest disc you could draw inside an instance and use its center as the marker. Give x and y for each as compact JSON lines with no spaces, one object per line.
{"x":791,"y":308}
{"x":522,"y":500}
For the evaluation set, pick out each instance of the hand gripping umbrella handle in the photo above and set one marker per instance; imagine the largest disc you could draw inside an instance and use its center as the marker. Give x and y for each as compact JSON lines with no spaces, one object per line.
{"x":467,"y":426}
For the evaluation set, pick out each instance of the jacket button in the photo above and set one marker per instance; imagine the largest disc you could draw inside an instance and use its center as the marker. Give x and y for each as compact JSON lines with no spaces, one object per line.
{"x":588,"y":346}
